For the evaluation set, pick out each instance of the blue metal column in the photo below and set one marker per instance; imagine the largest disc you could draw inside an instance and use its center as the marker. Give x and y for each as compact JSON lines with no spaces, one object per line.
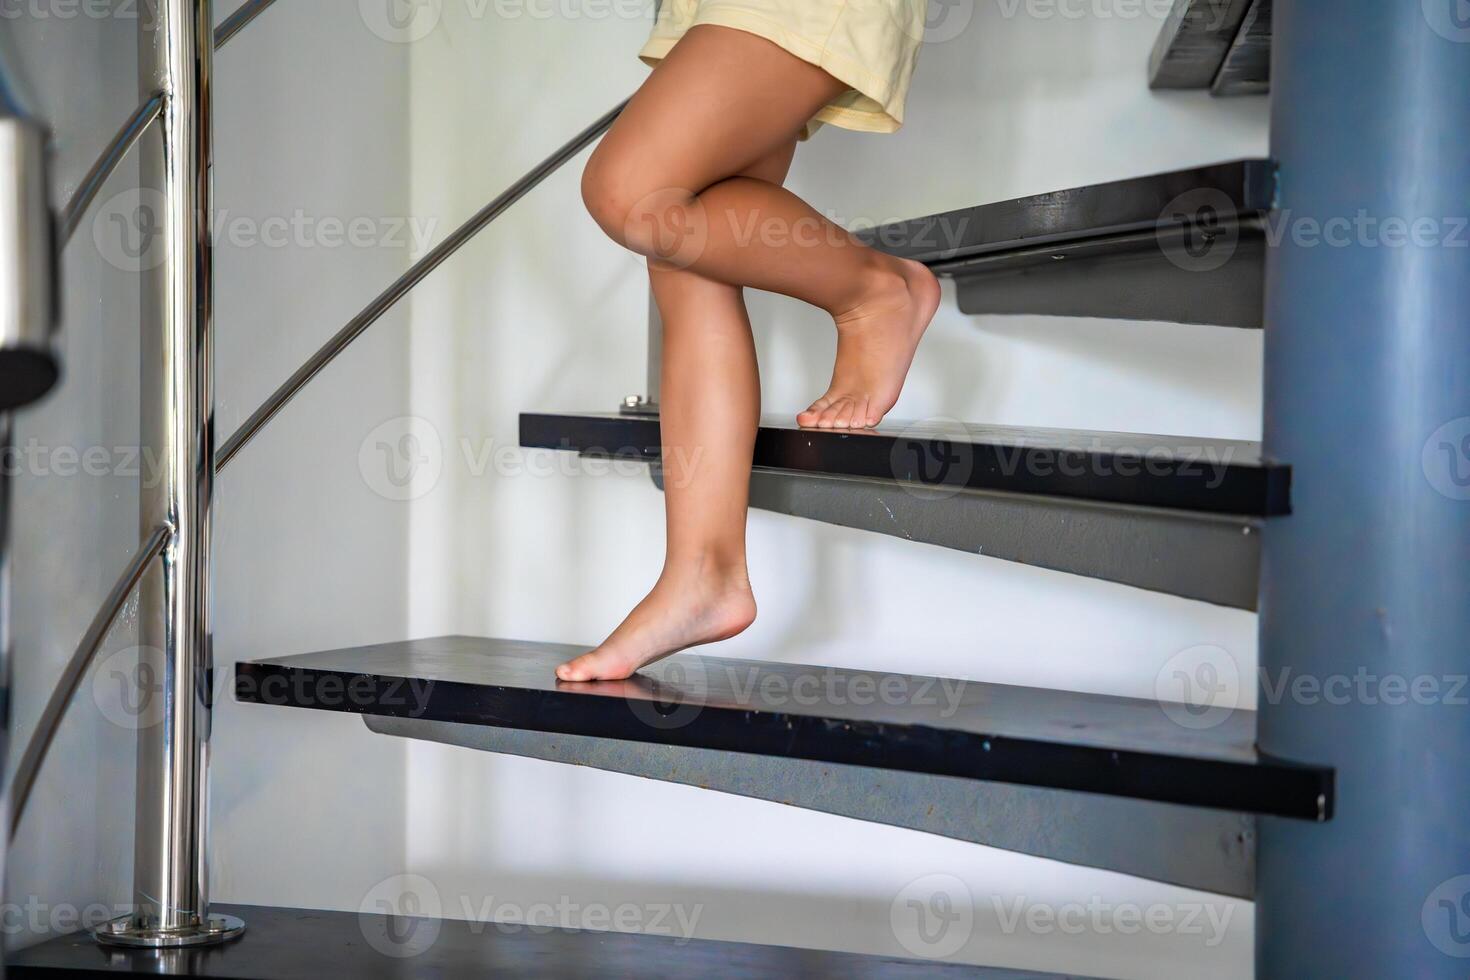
{"x":1365,"y":614}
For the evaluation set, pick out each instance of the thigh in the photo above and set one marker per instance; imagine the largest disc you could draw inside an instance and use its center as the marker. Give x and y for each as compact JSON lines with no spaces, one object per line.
{"x":723,"y":101}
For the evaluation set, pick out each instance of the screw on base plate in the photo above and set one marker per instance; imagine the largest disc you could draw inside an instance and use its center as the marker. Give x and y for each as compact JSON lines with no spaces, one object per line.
{"x":127,"y":932}
{"x":639,"y":405}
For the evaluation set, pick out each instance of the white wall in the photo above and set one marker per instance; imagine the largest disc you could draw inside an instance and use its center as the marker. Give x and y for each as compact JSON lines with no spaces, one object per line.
{"x":311,"y":128}
{"x":542,"y":313}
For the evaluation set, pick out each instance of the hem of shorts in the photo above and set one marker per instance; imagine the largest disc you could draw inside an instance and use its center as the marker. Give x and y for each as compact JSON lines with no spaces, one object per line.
{"x":886,"y":120}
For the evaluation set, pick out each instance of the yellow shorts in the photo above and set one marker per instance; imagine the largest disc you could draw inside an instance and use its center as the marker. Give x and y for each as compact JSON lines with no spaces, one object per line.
{"x":872,"y":45}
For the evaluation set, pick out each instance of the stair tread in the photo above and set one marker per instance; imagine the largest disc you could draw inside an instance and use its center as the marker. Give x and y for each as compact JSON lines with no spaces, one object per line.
{"x":1218,"y":476}
{"x":1239,"y":189}
{"x":303,"y":944}
{"x":967,"y":729}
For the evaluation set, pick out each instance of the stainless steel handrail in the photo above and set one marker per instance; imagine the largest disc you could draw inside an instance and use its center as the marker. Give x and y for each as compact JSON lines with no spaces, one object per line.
{"x":24,"y":779}
{"x":385,"y":300}
{"x":239,"y":20}
{"x":143,"y":117}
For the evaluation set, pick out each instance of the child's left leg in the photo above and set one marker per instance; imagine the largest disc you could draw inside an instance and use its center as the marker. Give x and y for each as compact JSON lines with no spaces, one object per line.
{"x":709,"y":409}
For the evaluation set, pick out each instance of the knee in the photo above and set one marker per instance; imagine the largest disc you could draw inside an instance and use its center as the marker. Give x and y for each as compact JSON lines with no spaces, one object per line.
{"x":631,"y":205}
{"x":606,"y":196}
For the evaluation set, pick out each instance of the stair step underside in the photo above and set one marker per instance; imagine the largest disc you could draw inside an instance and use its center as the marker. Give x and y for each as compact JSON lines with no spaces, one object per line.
{"x":1177,"y":473}
{"x":1202,"y":46}
{"x":1208,"y":558}
{"x":308,"y":944}
{"x":1246,"y":69}
{"x":1207,"y":850}
{"x":1185,"y":246}
{"x":965,"y":729}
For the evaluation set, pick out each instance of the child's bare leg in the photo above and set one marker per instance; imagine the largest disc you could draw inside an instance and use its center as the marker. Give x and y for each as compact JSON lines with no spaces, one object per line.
{"x":665,"y":182}
{"x":709,"y":408}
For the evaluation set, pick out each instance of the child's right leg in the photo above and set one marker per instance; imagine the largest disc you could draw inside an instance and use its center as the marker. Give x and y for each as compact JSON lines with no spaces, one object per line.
{"x":666,"y":182}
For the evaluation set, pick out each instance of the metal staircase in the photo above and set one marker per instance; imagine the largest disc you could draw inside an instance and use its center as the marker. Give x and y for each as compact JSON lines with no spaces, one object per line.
{"x":1124,"y":784}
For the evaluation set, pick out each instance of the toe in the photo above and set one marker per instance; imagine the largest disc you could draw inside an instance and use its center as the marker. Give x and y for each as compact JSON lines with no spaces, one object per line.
{"x":814,"y":411}
{"x":843,"y":420}
{"x":828,"y":418}
{"x":588,"y":667}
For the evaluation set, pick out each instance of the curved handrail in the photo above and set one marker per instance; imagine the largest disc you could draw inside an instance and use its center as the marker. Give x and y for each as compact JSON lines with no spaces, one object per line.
{"x":141,"y":119}
{"x":24,"y":779}
{"x":239,"y":20}
{"x":385,"y":300}
{"x":112,"y":155}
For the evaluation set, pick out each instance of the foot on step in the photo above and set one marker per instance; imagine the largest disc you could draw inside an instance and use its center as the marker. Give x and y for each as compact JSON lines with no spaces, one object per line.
{"x":680,"y":612}
{"x":876,"y":340}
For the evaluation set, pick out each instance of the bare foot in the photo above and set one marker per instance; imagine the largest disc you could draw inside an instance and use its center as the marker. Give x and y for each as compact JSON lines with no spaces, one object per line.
{"x":680,"y":612}
{"x":876,"y":341}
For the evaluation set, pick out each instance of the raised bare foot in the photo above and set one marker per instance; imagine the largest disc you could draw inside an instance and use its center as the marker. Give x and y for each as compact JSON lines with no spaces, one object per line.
{"x":876,"y":341}
{"x":682,"y":611}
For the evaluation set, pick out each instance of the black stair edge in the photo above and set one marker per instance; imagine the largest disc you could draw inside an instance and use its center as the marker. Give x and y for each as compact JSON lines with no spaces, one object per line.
{"x":307,"y":944}
{"x":1238,"y":191}
{"x":1246,"y":69}
{"x":1193,"y":43}
{"x":1166,"y":472}
{"x":1052,"y":739}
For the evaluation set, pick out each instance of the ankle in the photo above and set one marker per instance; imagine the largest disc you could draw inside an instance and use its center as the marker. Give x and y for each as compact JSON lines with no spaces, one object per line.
{"x":881,"y":288}
{"x":723,"y":571}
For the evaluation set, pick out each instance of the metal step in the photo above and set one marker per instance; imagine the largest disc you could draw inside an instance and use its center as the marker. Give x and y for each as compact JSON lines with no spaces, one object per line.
{"x":1210,"y":558}
{"x":1208,"y":850}
{"x":1021,"y":736}
{"x":1186,"y":246}
{"x":1247,"y":66}
{"x":1221,"y":45}
{"x":1173,"y":473}
{"x":308,"y":944}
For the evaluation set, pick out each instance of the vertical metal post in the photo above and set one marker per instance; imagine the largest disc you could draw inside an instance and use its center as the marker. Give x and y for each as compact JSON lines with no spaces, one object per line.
{"x":655,"y":352}
{"x":647,"y":403}
{"x":1366,"y":588}
{"x":170,"y":854}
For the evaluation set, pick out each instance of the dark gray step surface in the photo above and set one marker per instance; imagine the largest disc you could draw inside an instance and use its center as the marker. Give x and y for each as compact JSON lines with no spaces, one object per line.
{"x":1186,"y":246}
{"x":1214,"y":476}
{"x":1237,"y":191}
{"x":965,"y":729}
{"x":302,"y":944}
